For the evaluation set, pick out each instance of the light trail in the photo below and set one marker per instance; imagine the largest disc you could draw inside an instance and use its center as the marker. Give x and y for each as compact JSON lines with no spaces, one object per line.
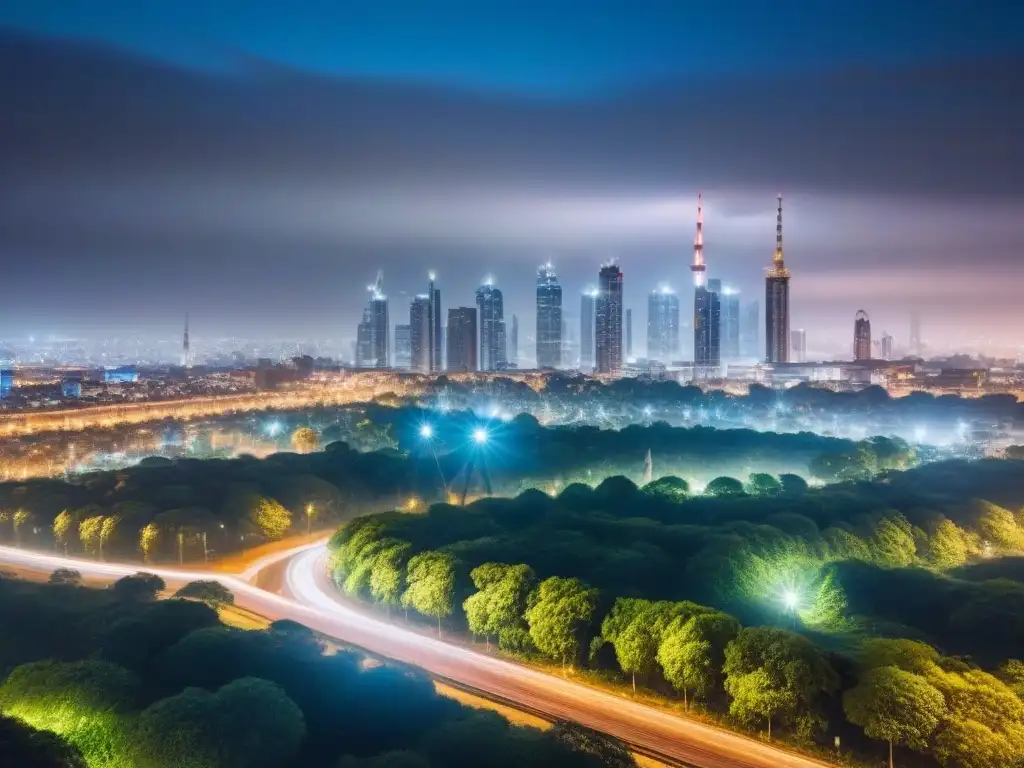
{"x":316,"y":605}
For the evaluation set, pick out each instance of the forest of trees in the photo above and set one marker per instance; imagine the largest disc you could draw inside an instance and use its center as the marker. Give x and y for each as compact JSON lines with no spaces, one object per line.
{"x":115,"y":679}
{"x":189,"y":510}
{"x":811,"y":610}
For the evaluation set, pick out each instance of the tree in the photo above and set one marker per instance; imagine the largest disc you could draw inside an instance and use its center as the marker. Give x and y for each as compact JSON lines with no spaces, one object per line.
{"x":998,"y":526}
{"x":724,"y":487}
{"x":387,"y":573}
{"x":770,"y":672}
{"x":23,"y":746}
{"x":18,"y":521}
{"x":947,"y":546}
{"x":430,"y":579}
{"x":763,"y":484}
{"x":83,"y":701}
{"x":213,"y":593}
{"x":792,"y":485}
{"x":304,"y":440}
{"x":107,"y":530}
{"x":141,"y":587}
{"x":148,"y":537}
{"x":271,"y":519}
{"x":636,"y":648}
{"x":67,"y":576}
{"x":89,"y":534}
{"x":500,"y":600}
{"x":896,"y":706}
{"x":668,"y":488}
{"x":693,"y":651}
{"x":558,"y":612}
{"x":893,"y":541}
{"x":62,"y":528}
{"x":1012,"y":673}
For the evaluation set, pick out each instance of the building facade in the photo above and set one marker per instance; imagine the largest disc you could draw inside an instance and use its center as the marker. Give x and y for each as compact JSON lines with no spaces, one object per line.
{"x":608,"y":321}
{"x":372,"y":335}
{"x":403,"y":347}
{"x":861,"y":336}
{"x":629,"y":334}
{"x":491,"y":316}
{"x":421,"y":334}
{"x":776,"y":298}
{"x":549,"y":318}
{"x":663,"y":325}
{"x":798,"y":345}
{"x":435,"y":339}
{"x":587,"y":312}
{"x":731,"y":325}
{"x":461,"y":342}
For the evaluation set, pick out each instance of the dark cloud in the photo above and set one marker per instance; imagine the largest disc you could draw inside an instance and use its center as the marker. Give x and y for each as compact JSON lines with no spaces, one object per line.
{"x":121,"y":166}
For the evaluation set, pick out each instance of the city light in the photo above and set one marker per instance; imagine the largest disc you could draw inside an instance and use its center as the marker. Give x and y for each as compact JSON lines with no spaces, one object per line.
{"x":426,"y":431}
{"x":791,"y":599}
{"x":273,"y":428}
{"x":480,"y":436}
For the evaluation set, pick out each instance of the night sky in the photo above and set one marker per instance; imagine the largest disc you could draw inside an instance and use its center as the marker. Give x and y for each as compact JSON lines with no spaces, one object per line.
{"x":256,"y":163}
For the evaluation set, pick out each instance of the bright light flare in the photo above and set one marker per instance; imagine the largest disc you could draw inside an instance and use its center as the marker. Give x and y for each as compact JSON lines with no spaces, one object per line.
{"x":426,"y":431}
{"x":480,"y":436}
{"x":791,"y":599}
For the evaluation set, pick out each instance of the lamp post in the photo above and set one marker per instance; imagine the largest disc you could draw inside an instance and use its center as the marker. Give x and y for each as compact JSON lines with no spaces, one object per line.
{"x":480,"y":437}
{"x":427,"y":435}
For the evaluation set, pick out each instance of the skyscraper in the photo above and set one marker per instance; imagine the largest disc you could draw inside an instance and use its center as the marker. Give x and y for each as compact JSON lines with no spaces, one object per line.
{"x":861,"y":336}
{"x":435,"y":340}
{"x":798,"y":345}
{"x":663,"y":325}
{"x":549,"y":318}
{"x":372,"y":347}
{"x":186,"y":352}
{"x":730,"y":299}
{"x":587,"y":313}
{"x":915,"y":332}
{"x":513,"y":343}
{"x":886,"y":346}
{"x":403,"y":347}
{"x":421,"y":333}
{"x":776,"y":297}
{"x":707,"y":311}
{"x":490,"y":306}
{"x":461,"y":339}
{"x":608,"y":320}
{"x":629,"y":334}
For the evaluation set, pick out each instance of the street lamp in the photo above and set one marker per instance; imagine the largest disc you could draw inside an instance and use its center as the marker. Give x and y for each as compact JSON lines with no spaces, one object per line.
{"x":427,"y":434}
{"x":310,"y":512}
{"x":477,"y":460}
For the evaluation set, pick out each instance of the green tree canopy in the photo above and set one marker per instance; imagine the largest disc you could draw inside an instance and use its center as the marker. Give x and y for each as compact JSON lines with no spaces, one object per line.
{"x":763,"y":484}
{"x":668,"y":488}
{"x":270,"y":519}
{"x":210,"y":592}
{"x":499,"y":603}
{"x":430,"y":578}
{"x":724,"y":487}
{"x":559,"y":611}
{"x":692,"y":652}
{"x":141,"y":586}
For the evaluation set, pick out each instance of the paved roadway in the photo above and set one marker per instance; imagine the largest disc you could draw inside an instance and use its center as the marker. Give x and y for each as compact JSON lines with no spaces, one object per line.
{"x":309,"y":599}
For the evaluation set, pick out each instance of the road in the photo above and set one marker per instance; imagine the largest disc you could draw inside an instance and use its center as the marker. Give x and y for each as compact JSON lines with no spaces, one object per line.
{"x":309,"y":599}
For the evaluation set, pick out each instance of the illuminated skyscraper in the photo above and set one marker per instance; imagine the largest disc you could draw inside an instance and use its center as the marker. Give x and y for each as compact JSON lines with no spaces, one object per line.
{"x":707,"y":311}
{"x":798,"y":345}
{"x":435,"y":339}
{"x":403,"y":347}
{"x":421,"y":333}
{"x":372,"y":347}
{"x":549,"y":318}
{"x":885,"y":346}
{"x":663,"y":325}
{"x":608,"y":320}
{"x":461,"y":339}
{"x":490,"y":306}
{"x":915,"y":332}
{"x":861,"y":336}
{"x":730,"y":334}
{"x":513,"y":343}
{"x":629,"y":334}
{"x":186,"y":352}
{"x":776,"y":297}
{"x":587,"y":313}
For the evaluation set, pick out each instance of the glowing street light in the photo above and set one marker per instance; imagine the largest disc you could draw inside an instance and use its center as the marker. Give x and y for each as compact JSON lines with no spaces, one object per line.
{"x":426,"y":431}
{"x":427,"y":434}
{"x":480,"y":436}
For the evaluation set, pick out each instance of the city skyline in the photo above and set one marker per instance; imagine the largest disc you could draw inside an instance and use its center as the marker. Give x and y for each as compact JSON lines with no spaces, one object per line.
{"x":252,"y":203}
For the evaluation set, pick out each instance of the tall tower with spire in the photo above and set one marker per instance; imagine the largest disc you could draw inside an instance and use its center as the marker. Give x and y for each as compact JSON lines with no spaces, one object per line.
{"x":706,"y":350}
{"x":186,"y":352}
{"x":776,"y":301}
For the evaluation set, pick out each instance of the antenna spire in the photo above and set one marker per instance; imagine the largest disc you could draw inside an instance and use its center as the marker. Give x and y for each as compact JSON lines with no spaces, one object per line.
{"x":698,"y":268}
{"x":778,"y":267}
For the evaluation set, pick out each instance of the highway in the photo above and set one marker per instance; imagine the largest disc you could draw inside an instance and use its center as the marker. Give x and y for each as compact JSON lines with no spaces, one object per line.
{"x":310,"y":599}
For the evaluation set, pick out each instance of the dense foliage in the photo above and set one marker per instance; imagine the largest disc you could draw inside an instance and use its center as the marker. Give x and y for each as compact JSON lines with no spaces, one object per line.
{"x":144,"y":684}
{"x":654,"y":585}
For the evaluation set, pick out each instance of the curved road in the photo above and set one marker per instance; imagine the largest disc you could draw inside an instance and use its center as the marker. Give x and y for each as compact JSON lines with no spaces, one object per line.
{"x":311,"y":600}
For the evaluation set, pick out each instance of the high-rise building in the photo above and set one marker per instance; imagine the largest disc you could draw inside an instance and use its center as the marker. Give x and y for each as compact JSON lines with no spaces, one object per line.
{"x":776,"y":297}
{"x":885,"y":346}
{"x":587,"y":314}
{"x":435,"y":340}
{"x":490,"y":306}
{"x":629,"y":334}
{"x":372,"y":347}
{"x":915,"y":333}
{"x":513,"y":343}
{"x":707,"y":310}
{"x":461,"y":339}
{"x":403,"y":347}
{"x":420,"y":331}
{"x":798,"y":345}
{"x":750,"y":341}
{"x":663,"y":325}
{"x":608,"y":320}
{"x":186,"y":352}
{"x":861,"y":336}
{"x":730,"y":299}
{"x":549,"y":318}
